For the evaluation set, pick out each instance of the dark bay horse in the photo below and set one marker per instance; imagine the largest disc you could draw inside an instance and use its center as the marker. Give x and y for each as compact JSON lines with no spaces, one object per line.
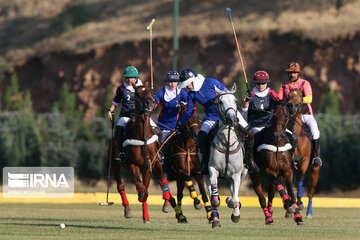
{"x":276,"y":158}
{"x":303,"y":149}
{"x":141,"y":151}
{"x":185,"y":162}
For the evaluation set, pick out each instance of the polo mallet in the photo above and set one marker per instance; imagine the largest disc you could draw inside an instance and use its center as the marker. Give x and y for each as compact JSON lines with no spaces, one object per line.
{"x":151,"y":64}
{"x":238,"y":48}
{"x":107,"y":203}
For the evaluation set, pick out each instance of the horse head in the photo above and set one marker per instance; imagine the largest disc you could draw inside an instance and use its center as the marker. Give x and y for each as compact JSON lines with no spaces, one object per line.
{"x":192,"y":125}
{"x":280,"y":120}
{"x":144,"y":100}
{"x":226,"y":102}
{"x":295,"y":100}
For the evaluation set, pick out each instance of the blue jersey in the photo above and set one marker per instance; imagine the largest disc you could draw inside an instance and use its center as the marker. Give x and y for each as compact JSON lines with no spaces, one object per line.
{"x":205,"y":96}
{"x":169,"y":114}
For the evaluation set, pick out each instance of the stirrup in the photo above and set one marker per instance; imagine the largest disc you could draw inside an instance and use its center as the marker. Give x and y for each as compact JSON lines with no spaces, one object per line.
{"x":121,"y":157}
{"x":317,"y":162}
{"x":161,"y":157}
{"x":297,"y":159}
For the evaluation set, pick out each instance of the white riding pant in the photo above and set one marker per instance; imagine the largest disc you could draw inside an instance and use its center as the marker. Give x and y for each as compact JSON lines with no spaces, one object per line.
{"x":208,"y":125}
{"x":310,"y":121}
{"x":124,"y":120}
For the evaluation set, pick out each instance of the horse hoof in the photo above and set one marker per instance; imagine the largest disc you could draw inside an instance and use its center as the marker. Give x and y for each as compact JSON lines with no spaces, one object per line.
{"x":182,"y":219}
{"x":166,"y":207}
{"x":146,"y":221}
{"x":234,"y":218}
{"x":197,"y":204}
{"x":300,"y":205}
{"x":215,"y":223}
{"x":269,"y":221}
{"x":309,"y":216}
{"x":291,"y":209}
{"x":127,"y":212}
{"x":288,"y":215}
{"x":299,"y":222}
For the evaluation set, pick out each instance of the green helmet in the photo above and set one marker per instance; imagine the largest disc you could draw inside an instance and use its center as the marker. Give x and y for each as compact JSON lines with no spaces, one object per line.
{"x":130,"y":71}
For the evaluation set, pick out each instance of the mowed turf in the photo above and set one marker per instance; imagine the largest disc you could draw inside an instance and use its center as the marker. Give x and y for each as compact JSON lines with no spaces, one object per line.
{"x":91,"y":221}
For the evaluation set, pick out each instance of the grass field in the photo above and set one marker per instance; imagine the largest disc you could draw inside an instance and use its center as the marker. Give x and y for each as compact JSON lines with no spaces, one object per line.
{"x":90,"y":221}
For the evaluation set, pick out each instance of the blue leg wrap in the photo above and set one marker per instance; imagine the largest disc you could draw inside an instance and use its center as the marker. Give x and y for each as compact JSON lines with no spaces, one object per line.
{"x":300,"y":189}
{"x":309,"y":209}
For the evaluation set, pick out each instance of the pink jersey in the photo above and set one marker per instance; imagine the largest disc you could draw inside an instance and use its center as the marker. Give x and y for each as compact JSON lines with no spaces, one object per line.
{"x":284,"y":90}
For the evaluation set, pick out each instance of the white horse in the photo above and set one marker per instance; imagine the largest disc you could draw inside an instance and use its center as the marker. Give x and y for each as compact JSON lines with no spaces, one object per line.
{"x":226,"y":155}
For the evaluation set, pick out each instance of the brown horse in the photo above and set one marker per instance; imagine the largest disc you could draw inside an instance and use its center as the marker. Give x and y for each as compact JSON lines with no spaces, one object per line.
{"x":141,"y":148}
{"x":276,"y":159}
{"x":303,"y":149}
{"x":184,"y":160}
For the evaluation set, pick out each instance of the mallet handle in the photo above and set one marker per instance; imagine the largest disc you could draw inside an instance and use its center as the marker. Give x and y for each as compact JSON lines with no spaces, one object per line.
{"x":237,"y":45}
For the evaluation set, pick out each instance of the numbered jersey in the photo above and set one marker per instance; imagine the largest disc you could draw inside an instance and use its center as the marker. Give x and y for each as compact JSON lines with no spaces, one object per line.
{"x":261,"y":108}
{"x":126,"y":97}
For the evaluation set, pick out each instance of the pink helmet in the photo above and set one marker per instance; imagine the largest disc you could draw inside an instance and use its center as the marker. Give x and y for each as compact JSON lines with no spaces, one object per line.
{"x":261,"y":77}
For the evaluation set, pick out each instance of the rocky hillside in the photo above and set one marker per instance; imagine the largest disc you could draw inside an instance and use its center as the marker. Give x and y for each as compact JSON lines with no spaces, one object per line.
{"x":48,"y":47}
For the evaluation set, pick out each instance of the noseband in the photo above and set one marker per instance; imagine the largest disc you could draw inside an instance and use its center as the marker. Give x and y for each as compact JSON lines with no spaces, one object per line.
{"x":222,"y":114}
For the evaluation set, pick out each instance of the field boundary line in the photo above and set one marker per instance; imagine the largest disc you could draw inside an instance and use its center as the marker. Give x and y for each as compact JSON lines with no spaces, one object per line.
{"x":326,"y":202}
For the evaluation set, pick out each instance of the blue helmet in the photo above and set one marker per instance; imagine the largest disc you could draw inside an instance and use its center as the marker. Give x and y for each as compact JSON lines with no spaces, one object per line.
{"x":172,"y":76}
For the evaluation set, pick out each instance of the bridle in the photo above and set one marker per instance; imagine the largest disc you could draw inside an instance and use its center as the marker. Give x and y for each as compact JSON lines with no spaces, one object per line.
{"x":221,"y":113}
{"x":278,"y":134}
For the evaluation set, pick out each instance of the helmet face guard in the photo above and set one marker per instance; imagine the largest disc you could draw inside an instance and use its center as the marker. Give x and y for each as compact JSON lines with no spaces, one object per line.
{"x":261,"y":77}
{"x":131,"y":71}
{"x":187,"y":76}
{"x":172,"y":76}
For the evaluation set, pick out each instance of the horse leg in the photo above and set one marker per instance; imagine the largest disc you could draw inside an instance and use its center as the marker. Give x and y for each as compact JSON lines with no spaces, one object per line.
{"x":288,"y":176}
{"x":255,"y":180}
{"x":286,"y":199}
{"x":214,"y":214}
{"x":200,"y":180}
{"x":142,"y":191}
{"x":300,"y":186}
{"x":159,"y":173}
{"x":178,"y":211}
{"x":314,"y":177}
{"x":121,"y":189}
{"x":146,"y":179}
{"x":215,"y":199}
{"x":271,"y":195}
{"x":235,"y":202}
{"x":190,"y":185}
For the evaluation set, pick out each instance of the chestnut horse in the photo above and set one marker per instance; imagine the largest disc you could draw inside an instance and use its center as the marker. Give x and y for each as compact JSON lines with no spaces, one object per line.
{"x":303,"y":149}
{"x":141,"y":150}
{"x":276,"y":164}
{"x":185,"y":162}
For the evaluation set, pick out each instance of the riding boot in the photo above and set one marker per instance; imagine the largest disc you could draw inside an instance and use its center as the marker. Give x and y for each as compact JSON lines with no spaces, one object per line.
{"x":205,"y":152}
{"x":249,"y":148}
{"x":316,"y":150}
{"x":119,"y":137}
{"x":293,"y":138}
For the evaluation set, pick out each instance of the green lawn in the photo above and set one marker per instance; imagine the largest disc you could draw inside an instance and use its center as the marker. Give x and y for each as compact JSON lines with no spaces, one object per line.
{"x":90,"y":221}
